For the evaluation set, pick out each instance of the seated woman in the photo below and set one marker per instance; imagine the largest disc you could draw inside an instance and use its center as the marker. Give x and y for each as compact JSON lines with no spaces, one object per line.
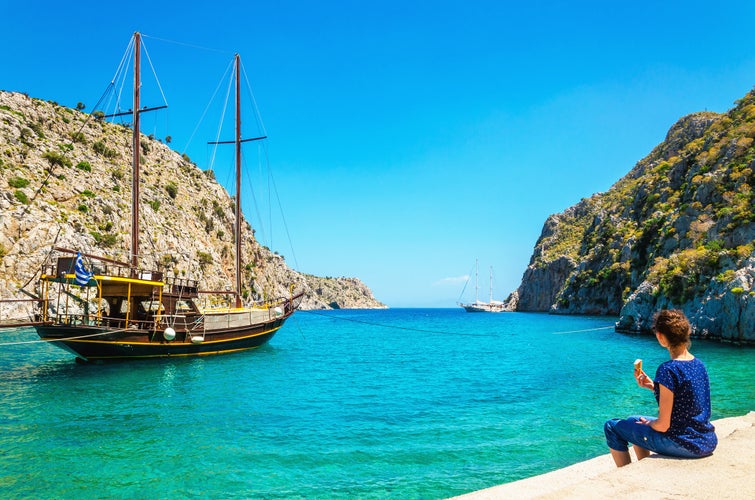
{"x":682,"y":389}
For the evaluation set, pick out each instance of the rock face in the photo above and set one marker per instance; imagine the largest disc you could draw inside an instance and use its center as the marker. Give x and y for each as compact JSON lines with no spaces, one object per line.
{"x":338,"y":293}
{"x":65,"y":180}
{"x":676,"y":232}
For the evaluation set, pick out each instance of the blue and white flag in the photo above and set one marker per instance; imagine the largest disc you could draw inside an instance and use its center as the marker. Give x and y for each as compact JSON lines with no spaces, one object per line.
{"x":82,"y":275}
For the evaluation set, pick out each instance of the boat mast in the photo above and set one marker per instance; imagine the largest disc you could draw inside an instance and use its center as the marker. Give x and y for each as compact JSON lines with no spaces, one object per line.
{"x":476,"y":281}
{"x":237,"y":142}
{"x":491,"y":284}
{"x":238,"y":180}
{"x":136,"y":149}
{"x":135,"y":163}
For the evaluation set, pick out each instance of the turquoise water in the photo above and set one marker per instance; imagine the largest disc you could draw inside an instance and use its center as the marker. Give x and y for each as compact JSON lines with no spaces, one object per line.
{"x":430,"y":404}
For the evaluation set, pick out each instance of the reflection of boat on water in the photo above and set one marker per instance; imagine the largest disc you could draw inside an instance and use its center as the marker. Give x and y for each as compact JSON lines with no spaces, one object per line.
{"x":106,"y":309}
{"x":478,"y":305}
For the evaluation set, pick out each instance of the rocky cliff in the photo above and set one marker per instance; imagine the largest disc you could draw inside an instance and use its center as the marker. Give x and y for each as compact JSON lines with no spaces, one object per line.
{"x":65,"y":180}
{"x":676,"y":232}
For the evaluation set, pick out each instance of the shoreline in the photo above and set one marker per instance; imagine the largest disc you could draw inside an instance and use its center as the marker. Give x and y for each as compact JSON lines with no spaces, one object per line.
{"x":727,"y":473}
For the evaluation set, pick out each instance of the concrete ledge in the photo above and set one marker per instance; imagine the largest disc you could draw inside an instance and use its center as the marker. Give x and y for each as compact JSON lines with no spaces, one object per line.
{"x":728,"y":473}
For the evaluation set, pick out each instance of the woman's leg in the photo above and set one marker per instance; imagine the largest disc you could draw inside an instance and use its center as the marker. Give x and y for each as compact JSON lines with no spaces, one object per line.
{"x":620,"y":433}
{"x":640,"y":452}
{"x":617,"y":443}
{"x":621,"y":458}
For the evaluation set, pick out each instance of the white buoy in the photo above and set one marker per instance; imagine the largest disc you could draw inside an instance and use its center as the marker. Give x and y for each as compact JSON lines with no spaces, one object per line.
{"x":197,"y":339}
{"x":169,"y":333}
{"x":278,"y":311}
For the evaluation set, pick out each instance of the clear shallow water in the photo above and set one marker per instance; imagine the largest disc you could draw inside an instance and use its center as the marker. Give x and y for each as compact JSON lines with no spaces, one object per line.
{"x":442,"y":403}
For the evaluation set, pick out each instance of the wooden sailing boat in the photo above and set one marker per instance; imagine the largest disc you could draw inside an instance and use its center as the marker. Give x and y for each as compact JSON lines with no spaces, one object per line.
{"x":127,"y":312}
{"x":478,"y":305}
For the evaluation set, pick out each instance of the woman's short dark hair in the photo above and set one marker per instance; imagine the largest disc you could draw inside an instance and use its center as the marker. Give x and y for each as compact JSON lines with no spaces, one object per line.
{"x":673,"y":324}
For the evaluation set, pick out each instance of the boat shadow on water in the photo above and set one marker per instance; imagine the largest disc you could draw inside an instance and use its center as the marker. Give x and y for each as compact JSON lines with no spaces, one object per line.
{"x":25,"y":363}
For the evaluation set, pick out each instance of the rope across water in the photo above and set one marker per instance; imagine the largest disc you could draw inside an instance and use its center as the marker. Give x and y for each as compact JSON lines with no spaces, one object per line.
{"x":329,"y":316}
{"x":397,"y":327}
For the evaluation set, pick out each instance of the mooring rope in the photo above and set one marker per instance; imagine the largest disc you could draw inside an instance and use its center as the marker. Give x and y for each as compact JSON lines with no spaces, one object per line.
{"x":586,"y":330}
{"x":382,"y":325}
{"x":396,"y":327}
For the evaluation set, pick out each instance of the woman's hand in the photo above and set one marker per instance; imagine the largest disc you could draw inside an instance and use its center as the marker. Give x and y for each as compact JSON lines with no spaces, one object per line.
{"x":643,"y":380}
{"x":665,"y":405}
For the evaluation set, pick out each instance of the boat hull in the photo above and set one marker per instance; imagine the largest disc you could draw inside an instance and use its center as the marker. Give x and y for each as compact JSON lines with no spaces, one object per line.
{"x":476,"y":309}
{"x":481,"y":307}
{"x":102,"y":344}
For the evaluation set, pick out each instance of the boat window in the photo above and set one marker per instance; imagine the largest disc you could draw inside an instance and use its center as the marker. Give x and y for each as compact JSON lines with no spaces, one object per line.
{"x":183,"y":306}
{"x":152,"y":306}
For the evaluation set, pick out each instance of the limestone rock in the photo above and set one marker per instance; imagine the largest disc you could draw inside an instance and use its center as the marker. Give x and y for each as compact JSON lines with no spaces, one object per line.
{"x":637,"y":313}
{"x":542,"y":284}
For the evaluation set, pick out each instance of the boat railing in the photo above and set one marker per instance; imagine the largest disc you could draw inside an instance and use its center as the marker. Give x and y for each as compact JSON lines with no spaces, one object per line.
{"x":65,"y":265}
{"x":62,"y":318}
{"x":224,"y":314}
{"x":179,"y":322}
{"x":185,"y":286}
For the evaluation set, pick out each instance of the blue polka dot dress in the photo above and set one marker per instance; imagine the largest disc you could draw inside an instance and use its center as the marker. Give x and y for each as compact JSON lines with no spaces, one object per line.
{"x":690,"y":415}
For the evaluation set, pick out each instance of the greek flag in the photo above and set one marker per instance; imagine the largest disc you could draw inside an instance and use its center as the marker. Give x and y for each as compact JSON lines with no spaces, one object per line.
{"x":82,"y":275}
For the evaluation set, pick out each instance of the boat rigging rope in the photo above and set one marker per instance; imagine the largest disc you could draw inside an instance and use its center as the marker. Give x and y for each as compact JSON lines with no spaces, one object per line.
{"x":154,"y":73}
{"x":207,"y":107}
{"x":51,"y":170}
{"x":216,"y":143}
{"x":257,"y":114}
{"x":469,"y":276}
{"x":120,"y":75}
{"x":283,"y":217}
{"x":122,"y":64}
{"x":193,"y":46}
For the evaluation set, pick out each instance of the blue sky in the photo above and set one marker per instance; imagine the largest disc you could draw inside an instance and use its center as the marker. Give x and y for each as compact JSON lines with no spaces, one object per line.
{"x":407,"y":139}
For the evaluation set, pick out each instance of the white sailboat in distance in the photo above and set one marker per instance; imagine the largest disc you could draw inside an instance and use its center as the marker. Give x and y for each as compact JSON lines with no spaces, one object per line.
{"x":478,"y":305}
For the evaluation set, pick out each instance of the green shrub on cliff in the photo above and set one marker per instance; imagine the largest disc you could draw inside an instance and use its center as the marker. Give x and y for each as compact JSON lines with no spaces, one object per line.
{"x":104,"y":240}
{"x":172,"y":189}
{"x":18,"y":182}
{"x":84,"y":165}
{"x":21,"y":197}
{"x":55,"y":158}
{"x":205,"y":259}
{"x":103,"y":150}
{"x":684,"y":275}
